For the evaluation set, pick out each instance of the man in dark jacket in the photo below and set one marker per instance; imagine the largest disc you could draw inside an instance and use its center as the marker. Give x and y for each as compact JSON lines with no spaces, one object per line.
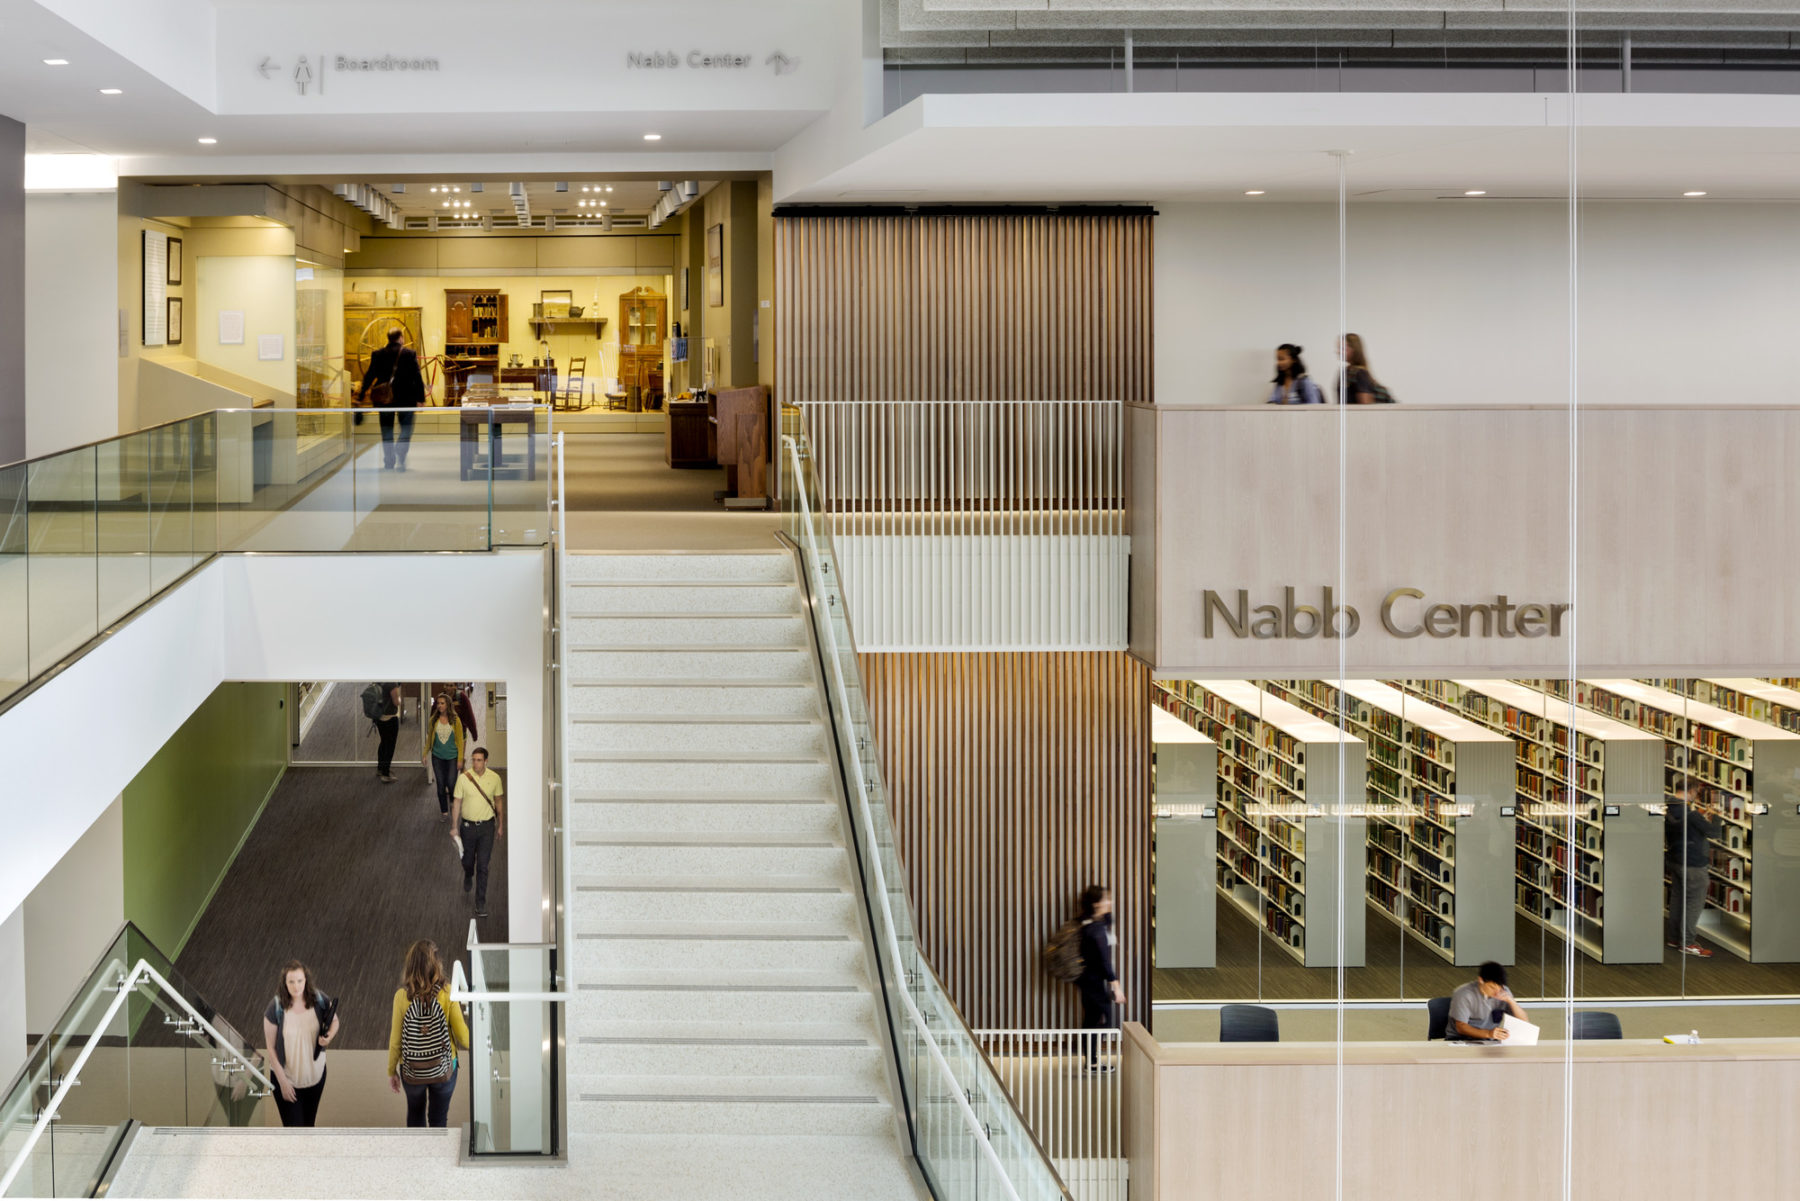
{"x":1099,"y":979}
{"x":397,"y":365}
{"x":1690,"y":824}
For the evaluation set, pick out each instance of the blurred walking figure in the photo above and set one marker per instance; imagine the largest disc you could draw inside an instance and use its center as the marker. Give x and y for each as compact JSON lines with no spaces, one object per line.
{"x":1292,"y":385}
{"x":1101,"y":993}
{"x":1360,"y":387}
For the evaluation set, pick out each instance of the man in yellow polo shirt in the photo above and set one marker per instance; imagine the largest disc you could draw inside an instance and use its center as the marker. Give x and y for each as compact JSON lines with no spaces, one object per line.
{"x":478,"y":818}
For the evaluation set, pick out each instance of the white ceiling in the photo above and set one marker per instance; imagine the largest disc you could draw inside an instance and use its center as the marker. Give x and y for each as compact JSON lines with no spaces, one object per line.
{"x":1193,"y":147}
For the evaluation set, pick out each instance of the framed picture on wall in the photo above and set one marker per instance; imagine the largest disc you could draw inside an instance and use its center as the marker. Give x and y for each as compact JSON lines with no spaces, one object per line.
{"x":715,"y":266}
{"x":174,"y":260}
{"x":174,"y":303}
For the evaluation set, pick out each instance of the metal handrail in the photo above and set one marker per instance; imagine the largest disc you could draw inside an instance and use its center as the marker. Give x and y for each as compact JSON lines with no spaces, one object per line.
{"x":72,"y":1076}
{"x":892,"y":947}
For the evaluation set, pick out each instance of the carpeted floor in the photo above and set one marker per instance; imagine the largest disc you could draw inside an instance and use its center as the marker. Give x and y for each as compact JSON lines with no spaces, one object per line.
{"x":343,"y":872}
{"x":626,"y":472}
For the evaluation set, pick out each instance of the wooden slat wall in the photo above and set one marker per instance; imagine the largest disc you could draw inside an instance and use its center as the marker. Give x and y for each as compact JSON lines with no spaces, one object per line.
{"x":1017,"y":780}
{"x":987,"y":307}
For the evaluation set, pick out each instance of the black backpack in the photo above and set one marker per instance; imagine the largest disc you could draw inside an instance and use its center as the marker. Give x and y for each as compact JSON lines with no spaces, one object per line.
{"x":374,"y":700}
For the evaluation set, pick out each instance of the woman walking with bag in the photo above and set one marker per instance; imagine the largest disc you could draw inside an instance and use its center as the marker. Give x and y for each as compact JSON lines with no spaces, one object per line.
{"x":300,"y":1023}
{"x":427,"y":1029}
{"x":444,"y":756}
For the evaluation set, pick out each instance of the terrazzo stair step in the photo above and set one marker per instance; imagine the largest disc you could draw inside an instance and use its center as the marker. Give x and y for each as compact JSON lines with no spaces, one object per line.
{"x":715,"y":946}
{"x":683,"y":701}
{"x":759,"y":858}
{"x":602,"y":813}
{"x":770,"y":567}
{"x":846,"y":1055}
{"x":652,"y":1004}
{"x":601,"y":900}
{"x":722,"y":775}
{"x":612,"y":596}
{"x":762,"y":1105}
{"x":769,"y":735}
{"x":701,"y":630}
{"x":708,"y":665}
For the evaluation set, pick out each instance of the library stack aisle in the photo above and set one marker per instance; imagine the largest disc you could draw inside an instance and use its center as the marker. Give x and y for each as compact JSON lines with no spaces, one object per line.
{"x":1282,"y":815}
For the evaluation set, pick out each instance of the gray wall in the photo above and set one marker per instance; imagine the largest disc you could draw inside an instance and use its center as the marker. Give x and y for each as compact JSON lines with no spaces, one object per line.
{"x":12,"y":290}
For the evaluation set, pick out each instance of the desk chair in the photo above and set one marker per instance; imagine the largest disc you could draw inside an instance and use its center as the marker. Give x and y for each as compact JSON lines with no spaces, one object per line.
{"x":1594,"y":1023}
{"x":1249,"y":1024}
{"x":574,"y":389}
{"x":1437,"y":1023}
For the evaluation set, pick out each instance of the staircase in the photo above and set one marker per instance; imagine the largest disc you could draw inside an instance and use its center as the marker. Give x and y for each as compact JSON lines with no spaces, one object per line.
{"x":719,"y":945}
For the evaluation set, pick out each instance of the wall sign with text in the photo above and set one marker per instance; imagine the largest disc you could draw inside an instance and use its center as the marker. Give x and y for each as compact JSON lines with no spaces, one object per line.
{"x":1403,"y":613}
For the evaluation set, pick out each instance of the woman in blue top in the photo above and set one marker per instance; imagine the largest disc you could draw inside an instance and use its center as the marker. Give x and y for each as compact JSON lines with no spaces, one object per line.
{"x":1292,"y":385}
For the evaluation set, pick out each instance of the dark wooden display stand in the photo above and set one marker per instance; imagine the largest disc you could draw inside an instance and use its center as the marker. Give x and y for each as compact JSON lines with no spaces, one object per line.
{"x":476,"y":416}
{"x":686,"y":434}
{"x":743,"y":417}
{"x":475,"y":327}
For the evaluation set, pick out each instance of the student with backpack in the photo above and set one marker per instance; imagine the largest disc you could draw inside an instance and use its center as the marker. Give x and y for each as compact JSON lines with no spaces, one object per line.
{"x":381,"y":705}
{"x":427,"y":1029}
{"x":1101,"y":992}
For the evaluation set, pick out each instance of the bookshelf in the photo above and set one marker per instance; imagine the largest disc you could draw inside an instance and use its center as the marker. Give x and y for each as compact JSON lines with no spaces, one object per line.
{"x":1752,"y":904}
{"x":1184,"y":787}
{"x":1775,"y":702}
{"x":1279,"y":818}
{"x":1616,"y":843}
{"x":1440,"y":849}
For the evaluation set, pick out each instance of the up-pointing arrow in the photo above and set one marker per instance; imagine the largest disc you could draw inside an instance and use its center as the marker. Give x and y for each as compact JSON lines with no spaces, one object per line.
{"x":267,"y":67}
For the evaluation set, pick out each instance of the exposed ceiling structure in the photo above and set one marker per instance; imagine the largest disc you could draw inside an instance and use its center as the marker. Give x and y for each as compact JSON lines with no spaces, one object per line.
{"x":1003,"y":33}
{"x":576,"y":199}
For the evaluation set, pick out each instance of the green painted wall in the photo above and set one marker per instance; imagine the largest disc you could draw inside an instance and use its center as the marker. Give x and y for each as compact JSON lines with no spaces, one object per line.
{"x":190,"y":809}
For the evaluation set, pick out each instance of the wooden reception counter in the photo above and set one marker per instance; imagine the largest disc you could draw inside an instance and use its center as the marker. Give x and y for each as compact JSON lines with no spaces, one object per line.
{"x":1257,"y":1121}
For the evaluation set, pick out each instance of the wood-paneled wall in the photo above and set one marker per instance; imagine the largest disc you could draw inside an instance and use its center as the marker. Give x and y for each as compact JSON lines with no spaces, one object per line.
{"x":1049,"y":306}
{"x":1017,"y":780}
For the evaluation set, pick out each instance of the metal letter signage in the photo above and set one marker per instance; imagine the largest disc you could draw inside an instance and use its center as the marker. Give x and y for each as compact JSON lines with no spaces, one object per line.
{"x":1404,"y":613}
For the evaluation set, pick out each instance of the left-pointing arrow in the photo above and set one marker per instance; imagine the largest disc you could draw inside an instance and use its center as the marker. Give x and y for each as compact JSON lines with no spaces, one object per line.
{"x":267,"y":67}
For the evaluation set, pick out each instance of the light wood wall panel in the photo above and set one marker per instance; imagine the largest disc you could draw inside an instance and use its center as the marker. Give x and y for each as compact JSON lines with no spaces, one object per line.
{"x":1017,"y":780}
{"x":1052,"y":306}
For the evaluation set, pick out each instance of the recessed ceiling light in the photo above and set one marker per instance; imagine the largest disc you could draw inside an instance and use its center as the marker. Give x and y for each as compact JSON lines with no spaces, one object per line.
{"x":456,"y":189}
{"x":112,"y":91}
{"x":609,"y":187}
{"x":434,"y":187}
{"x":1255,"y":192}
{"x":56,"y":62}
{"x":1693,"y":193}
{"x":209,"y":141}
{"x":603,"y":204}
{"x":1475,"y":193}
{"x":653,"y":137}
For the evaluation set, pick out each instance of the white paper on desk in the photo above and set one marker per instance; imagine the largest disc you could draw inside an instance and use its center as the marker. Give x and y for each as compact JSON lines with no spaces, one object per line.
{"x":1519,"y":1033}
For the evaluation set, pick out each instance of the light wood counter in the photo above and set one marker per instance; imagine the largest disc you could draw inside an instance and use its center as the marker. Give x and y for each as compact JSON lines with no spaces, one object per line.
{"x":1256,"y":1121}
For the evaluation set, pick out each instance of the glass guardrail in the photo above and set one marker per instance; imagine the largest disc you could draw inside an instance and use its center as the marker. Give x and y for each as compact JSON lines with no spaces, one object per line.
{"x":89,"y":534}
{"x":514,"y":1013}
{"x":968,"y":1138}
{"x":135,"y":1044}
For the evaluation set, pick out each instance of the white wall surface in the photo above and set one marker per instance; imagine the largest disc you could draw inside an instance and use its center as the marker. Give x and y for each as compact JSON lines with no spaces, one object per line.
{"x":71,"y":320}
{"x":273,"y":617}
{"x":12,"y":994}
{"x":71,"y":915}
{"x":1467,"y":302}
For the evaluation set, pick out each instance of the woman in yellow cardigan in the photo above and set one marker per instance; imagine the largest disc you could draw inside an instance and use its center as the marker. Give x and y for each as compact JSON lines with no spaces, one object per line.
{"x":427,"y":1029}
{"x":444,"y":750}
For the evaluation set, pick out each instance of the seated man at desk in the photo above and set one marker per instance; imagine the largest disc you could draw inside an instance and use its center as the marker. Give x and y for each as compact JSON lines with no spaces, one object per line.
{"x":1478,"y":1007}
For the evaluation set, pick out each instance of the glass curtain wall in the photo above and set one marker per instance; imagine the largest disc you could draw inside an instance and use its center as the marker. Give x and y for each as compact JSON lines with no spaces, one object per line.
{"x":1567,"y":739}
